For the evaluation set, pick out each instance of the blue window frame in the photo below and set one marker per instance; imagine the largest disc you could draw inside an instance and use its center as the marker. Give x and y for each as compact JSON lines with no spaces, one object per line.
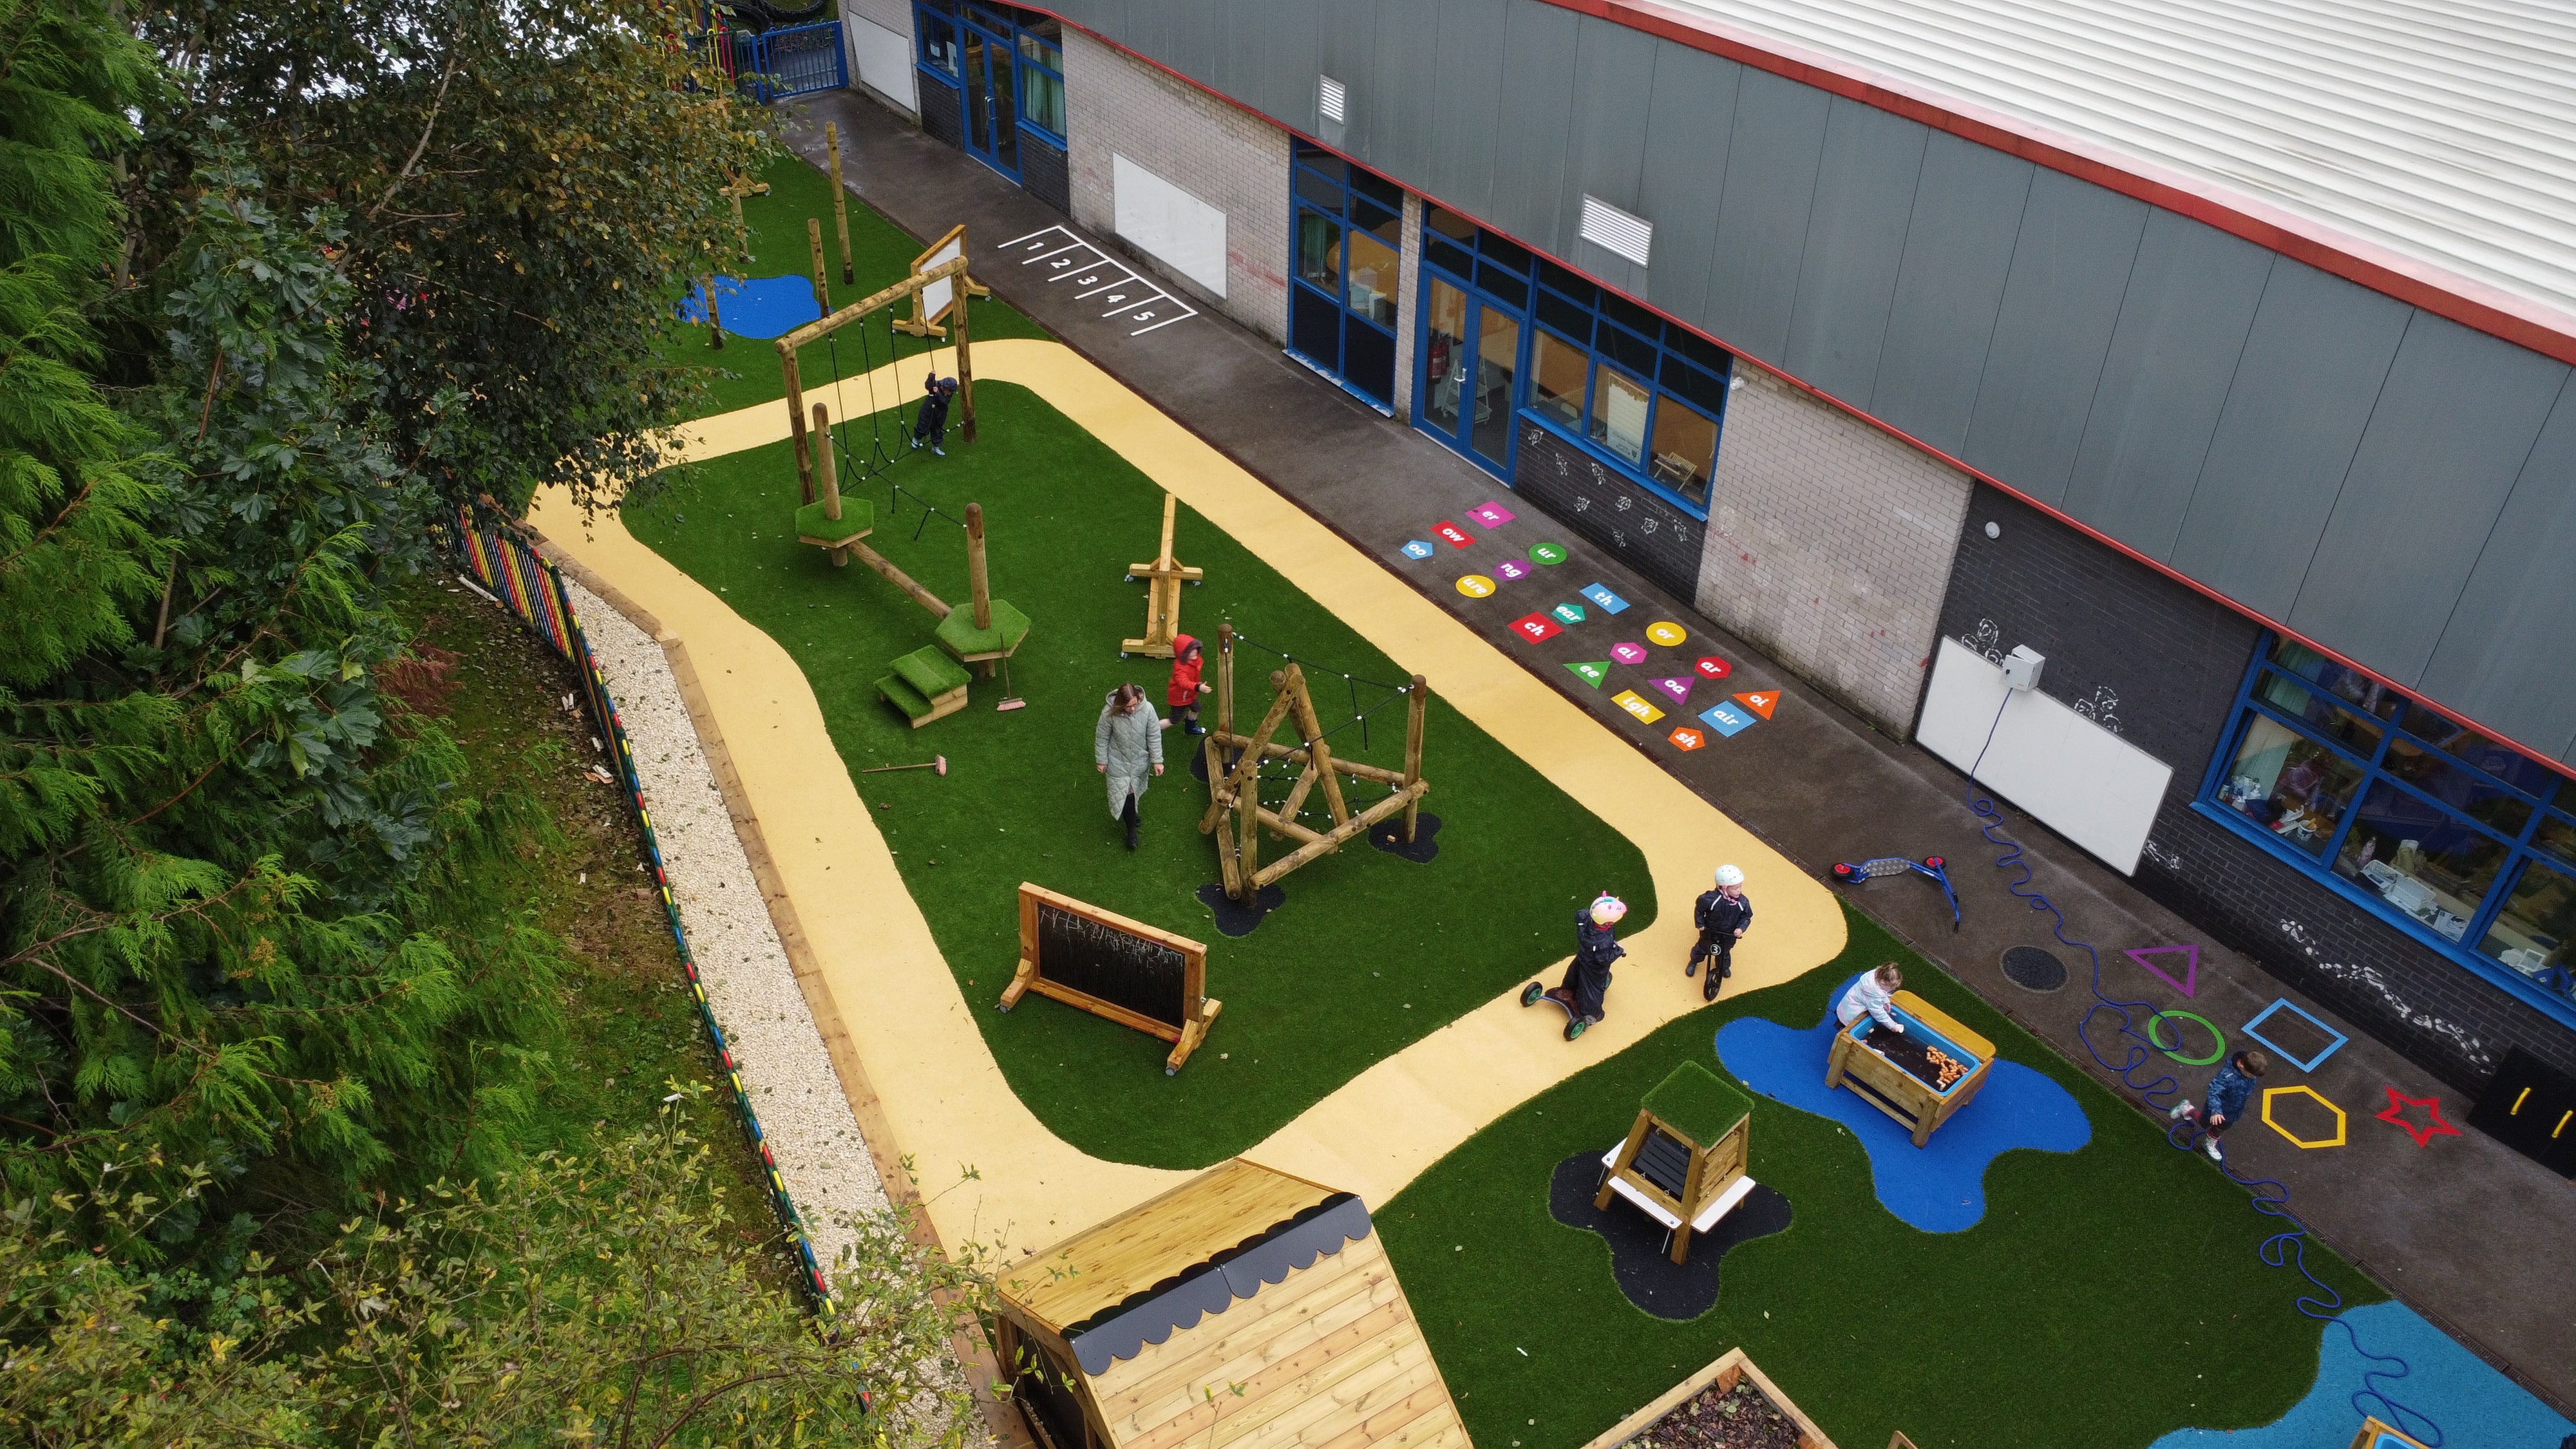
{"x":1022,"y":76}
{"x":1042,"y":78}
{"x":1344,"y":245}
{"x":2456,"y":838}
{"x":1645,"y":396}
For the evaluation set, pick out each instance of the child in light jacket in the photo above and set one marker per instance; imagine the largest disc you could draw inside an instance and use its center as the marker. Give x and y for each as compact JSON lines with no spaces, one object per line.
{"x":1873,"y":995}
{"x":2224,"y":1102}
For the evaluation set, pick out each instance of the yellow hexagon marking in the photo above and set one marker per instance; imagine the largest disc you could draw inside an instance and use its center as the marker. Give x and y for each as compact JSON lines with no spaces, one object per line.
{"x":2335,"y":1141}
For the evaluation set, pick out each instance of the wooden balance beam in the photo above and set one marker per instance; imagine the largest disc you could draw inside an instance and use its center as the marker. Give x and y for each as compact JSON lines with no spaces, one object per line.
{"x":1163,"y":579}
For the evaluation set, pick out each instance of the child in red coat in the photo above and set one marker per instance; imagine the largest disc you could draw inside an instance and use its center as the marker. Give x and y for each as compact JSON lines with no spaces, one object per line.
{"x":1188,"y":659}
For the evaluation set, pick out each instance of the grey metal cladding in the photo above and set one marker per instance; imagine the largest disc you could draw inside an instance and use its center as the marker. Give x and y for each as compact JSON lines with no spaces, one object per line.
{"x":1855,"y":242}
{"x":2503,"y":656}
{"x":1242,"y":61}
{"x":1614,"y":72}
{"x":2070,"y":268}
{"x":1688,"y":120}
{"x":2452,"y":429}
{"x":1531,"y":125}
{"x":2313,"y":362}
{"x":1346,"y":50}
{"x":1289,"y":63}
{"x":1466,"y":79}
{"x":1772,"y":153}
{"x":1404,"y":107}
{"x":1958,"y":251}
{"x":2183,"y":321}
{"x":1196,"y":35}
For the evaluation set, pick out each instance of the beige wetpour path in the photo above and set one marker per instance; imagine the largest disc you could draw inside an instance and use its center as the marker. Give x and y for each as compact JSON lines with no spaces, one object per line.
{"x":942,"y":1094}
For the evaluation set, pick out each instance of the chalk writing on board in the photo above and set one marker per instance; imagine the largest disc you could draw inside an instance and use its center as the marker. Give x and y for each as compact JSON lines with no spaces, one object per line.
{"x":1145,"y":976}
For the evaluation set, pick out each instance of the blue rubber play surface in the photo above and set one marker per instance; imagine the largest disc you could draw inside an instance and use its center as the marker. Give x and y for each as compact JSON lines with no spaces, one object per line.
{"x":2471,"y":1403}
{"x":758,"y":307}
{"x":1939,"y":1187}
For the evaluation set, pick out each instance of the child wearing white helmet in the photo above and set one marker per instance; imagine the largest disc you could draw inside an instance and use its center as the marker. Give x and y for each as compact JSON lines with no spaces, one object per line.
{"x":1586,"y":987}
{"x":1723,"y":916}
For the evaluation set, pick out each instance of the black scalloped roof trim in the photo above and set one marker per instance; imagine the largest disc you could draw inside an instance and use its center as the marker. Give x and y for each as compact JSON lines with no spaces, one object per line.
{"x":1124,"y":1328}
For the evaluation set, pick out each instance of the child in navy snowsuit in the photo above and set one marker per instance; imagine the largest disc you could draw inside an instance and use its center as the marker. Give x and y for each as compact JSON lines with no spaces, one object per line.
{"x":1586,"y":987}
{"x":931,"y":420}
{"x":2224,"y":1103}
{"x":1723,"y":916}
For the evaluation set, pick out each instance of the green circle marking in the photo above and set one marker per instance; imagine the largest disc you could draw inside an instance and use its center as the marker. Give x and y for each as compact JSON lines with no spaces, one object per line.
{"x":1547,"y":553}
{"x":2219,"y":1049}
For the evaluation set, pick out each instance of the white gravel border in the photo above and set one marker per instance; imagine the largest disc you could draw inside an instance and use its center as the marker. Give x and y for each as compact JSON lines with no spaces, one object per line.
{"x":750,"y":986}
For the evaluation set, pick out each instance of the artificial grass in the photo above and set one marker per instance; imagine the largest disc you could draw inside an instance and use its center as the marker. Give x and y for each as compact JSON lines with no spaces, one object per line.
{"x":2108,"y":1296}
{"x":857,"y":517}
{"x":1699,"y":1103}
{"x":746,"y":370}
{"x":1369,"y":953}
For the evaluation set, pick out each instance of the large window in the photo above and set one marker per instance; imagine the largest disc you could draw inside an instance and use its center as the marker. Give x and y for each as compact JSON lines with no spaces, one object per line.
{"x":1637,"y":391}
{"x":1042,"y":77}
{"x":1348,"y":233}
{"x":2456,"y":837}
{"x":1007,"y":62}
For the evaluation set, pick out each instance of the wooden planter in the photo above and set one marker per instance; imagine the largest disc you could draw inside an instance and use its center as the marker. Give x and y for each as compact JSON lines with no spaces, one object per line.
{"x":1724,"y":1373}
{"x":1894,"y":1090}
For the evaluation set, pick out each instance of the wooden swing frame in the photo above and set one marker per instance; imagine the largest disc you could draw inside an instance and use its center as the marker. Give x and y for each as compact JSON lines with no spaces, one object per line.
{"x":820,"y":328}
{"x":1234,"y":814}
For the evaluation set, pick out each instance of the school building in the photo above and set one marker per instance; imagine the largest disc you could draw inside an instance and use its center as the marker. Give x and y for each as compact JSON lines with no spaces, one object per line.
{"x":2217,"y":354}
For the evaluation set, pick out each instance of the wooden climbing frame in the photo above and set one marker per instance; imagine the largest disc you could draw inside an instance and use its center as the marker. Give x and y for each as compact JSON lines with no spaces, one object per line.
{"x":1235,"y":815}
{"x":823,"y":327}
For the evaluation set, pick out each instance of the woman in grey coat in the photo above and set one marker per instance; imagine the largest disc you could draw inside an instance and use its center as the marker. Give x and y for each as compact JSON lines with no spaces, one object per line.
{"x":1129,"y":740}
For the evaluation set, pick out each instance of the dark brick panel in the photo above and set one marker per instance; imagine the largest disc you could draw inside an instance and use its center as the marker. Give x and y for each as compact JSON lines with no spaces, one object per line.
{"x":1649,"y":535}
{"x":943,"y":111}
{"x":2159,"y":665}
{"x":1043,"y":173}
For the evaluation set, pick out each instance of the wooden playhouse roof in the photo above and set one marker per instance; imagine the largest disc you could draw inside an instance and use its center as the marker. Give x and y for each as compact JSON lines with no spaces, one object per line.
{"x":1244,"y":1305}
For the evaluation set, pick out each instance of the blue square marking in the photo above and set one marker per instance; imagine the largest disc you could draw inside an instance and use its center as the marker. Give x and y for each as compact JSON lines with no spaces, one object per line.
{"x":1417,"y":549}
{"x":1600,"y":594}
{"x":1726,"y":719}
{"x":2312,"y":1063}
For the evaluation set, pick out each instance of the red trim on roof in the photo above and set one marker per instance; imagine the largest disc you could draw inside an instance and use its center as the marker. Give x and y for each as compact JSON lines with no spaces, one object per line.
{"x":2520,"y":320}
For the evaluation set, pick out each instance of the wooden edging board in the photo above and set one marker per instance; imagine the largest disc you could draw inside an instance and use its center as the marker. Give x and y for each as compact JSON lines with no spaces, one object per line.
{"x":974,"y":1355}
{"x":1724,"y":1371}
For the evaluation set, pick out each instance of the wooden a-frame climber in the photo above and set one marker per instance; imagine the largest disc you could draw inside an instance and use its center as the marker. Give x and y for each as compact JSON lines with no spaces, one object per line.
{"x":1163,"y":579}
{"x":1235,"y":815}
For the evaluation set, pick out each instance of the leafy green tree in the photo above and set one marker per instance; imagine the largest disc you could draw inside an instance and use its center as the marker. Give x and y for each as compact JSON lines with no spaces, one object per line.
{"x":526,"y":191}
{"x":599,"y":1301}
{"x":248,"y":915}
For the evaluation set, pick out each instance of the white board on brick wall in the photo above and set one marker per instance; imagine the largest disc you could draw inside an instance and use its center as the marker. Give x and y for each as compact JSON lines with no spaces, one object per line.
{"x":2072,"y":775}
{"x":1172,"y":226}
{"x":882,"y":59}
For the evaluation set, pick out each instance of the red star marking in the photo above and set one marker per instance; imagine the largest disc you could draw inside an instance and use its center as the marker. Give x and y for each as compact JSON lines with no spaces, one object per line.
{"x":2395,"y":1112}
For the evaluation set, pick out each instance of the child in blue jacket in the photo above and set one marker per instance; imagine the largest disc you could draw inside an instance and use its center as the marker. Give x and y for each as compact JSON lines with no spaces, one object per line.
{"x":2224,"y":1103}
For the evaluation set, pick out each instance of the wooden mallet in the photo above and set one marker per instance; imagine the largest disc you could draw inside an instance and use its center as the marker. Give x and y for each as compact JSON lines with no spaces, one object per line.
{"x":935,"y":762}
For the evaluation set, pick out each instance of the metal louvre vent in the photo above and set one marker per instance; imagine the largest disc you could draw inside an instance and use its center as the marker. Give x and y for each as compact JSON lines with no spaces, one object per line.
{"x":1328,"y":97}
{"x":1622,"y":232}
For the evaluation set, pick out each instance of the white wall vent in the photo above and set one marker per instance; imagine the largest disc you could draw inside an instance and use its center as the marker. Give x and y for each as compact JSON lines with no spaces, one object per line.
{"x":1623,"y":233}
{"x":1328,"y":97}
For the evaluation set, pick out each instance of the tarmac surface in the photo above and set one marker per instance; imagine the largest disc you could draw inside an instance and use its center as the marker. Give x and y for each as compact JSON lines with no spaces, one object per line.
{"x":2466,"y":1231}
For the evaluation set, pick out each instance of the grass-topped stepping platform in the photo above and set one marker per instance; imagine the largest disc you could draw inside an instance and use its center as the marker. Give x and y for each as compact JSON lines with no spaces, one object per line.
{"x":1345,"y":973}
{"x":1697,"y":1103}
{"x":926,"y":685}
{"x":858,"y":519}
{"x":958,"y":635}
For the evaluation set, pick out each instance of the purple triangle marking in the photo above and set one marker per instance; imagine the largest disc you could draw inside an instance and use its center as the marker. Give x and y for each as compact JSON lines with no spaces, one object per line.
{"x":1678,"y":688}
{"x":2190,"y":967}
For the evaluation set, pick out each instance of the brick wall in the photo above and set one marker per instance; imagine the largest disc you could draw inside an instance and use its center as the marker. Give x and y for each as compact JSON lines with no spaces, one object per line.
{"x":1408,"y":311}
{"x":1829,"y":545}
{"x":2159,"y":664}
{"x":943,"y":112}
{"x":1116,"y":106}
{"x":1044,"y":174}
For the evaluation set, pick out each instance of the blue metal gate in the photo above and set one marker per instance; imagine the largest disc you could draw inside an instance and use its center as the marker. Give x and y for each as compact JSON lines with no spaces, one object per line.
{"x":795,"y":60}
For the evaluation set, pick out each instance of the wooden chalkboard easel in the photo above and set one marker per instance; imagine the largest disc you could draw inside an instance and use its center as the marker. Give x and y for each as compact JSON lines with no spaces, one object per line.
{"x":1086,"y":957}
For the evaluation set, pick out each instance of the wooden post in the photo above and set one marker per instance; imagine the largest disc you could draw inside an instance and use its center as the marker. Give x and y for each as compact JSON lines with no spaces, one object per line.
{"x":938,"y":607}
{"x":796,"y":422}
{"x":715,"y":324}
{"x":975,"y":579}
{"x":965,"y":365}
{"x":1319,"y":755}
{"x":831,"y":475}
{"x":814,"y":238}
{"x":1247,"y":815}
{"x":1224,"y":680}
{"x":1414,"y":705}
{"x":840,"y":201}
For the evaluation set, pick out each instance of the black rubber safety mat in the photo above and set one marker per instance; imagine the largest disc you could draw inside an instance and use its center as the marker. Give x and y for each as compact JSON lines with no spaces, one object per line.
{"x":1638,"y":1261}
